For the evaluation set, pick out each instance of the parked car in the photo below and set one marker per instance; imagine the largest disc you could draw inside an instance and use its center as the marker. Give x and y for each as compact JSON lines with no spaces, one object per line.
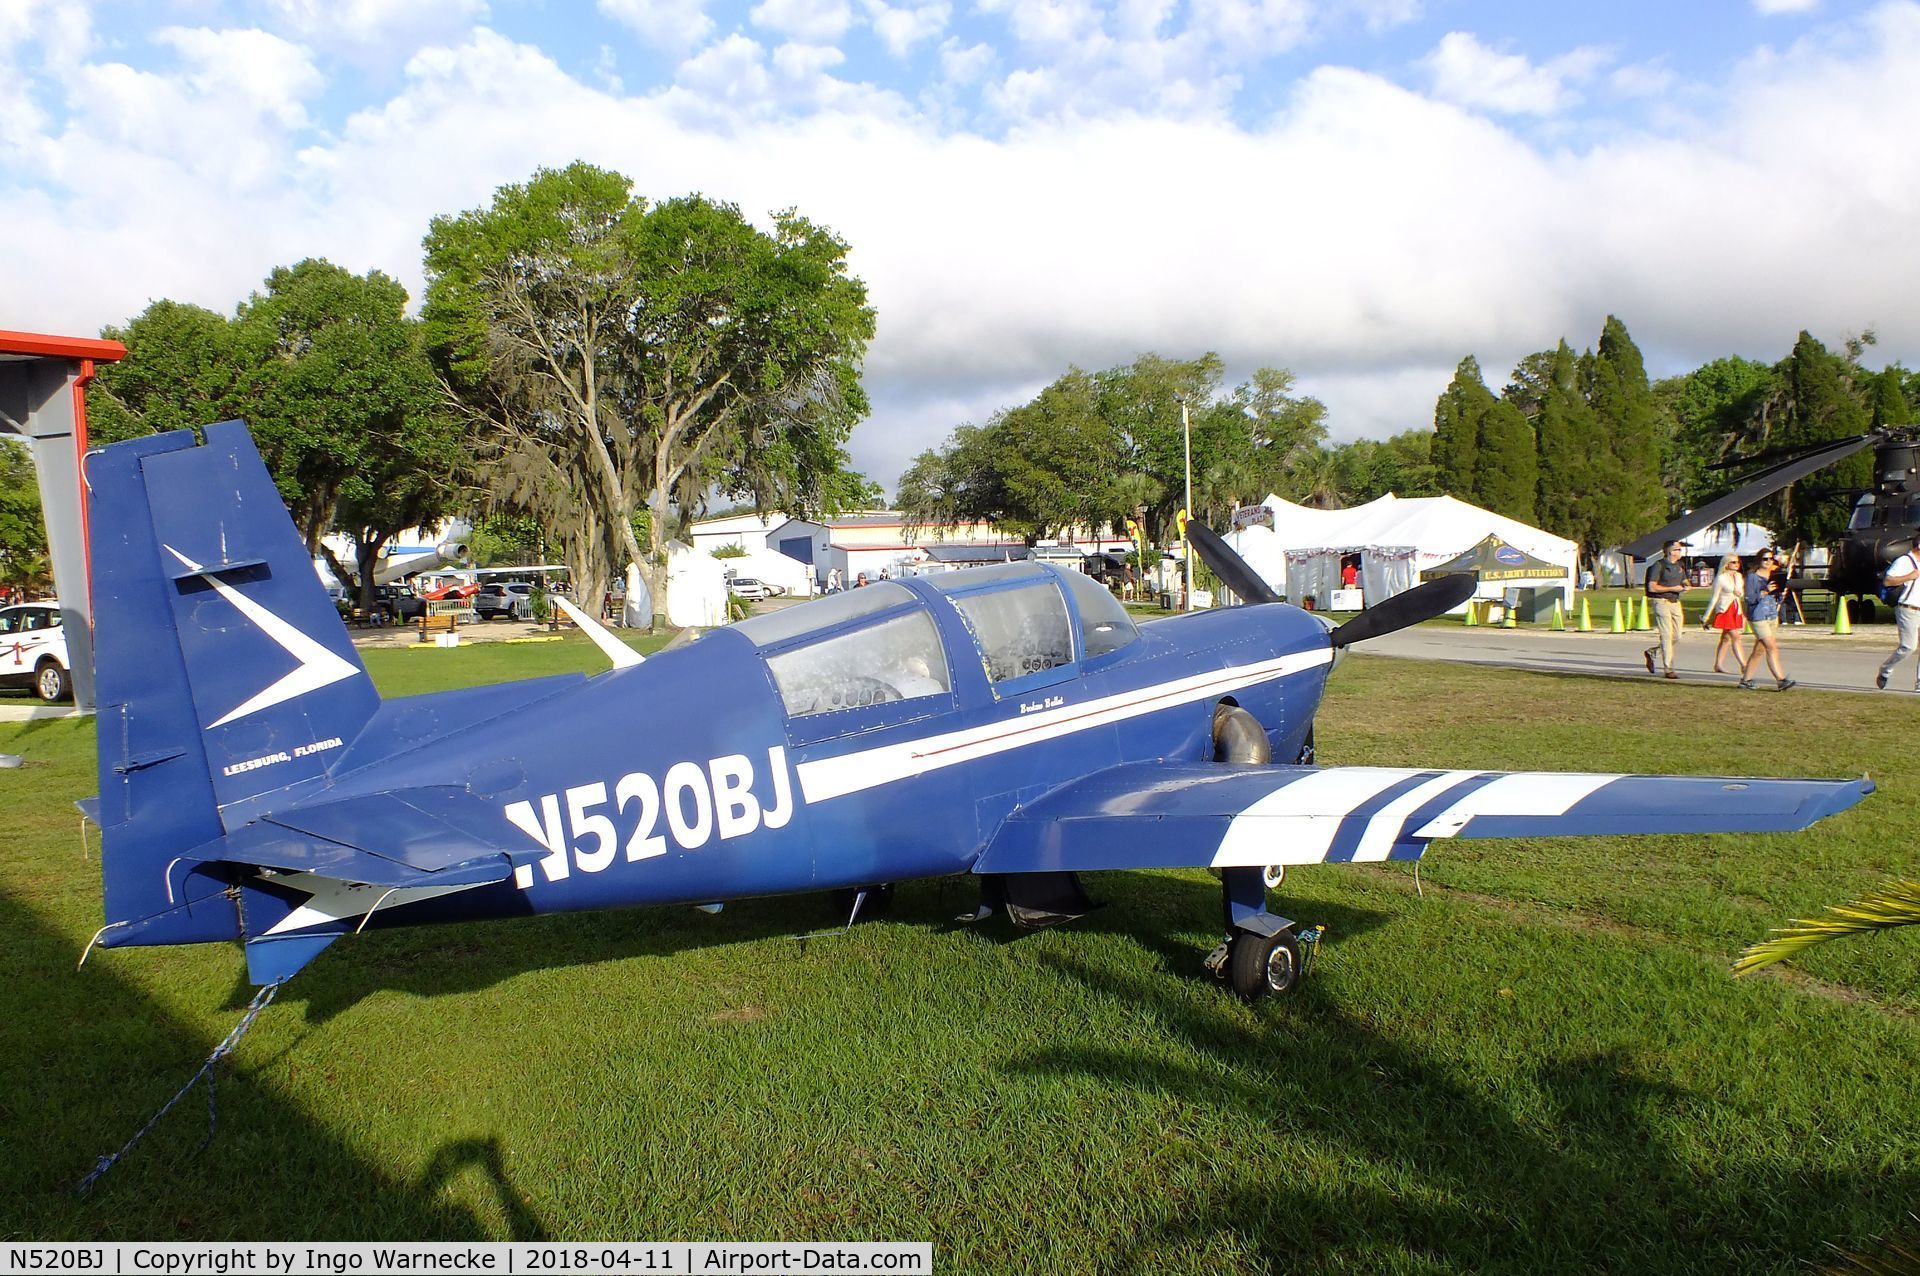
{"x":33,"y":650}
{"x":511,"y":599}
{"x":748,"y":587}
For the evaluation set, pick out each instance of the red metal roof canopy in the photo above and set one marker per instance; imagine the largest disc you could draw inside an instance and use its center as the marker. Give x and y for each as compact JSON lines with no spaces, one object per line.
{"x":35,"y":343}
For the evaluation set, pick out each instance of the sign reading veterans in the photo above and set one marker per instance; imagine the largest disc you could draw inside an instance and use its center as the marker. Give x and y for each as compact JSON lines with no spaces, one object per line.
{"x":1494,"y":559}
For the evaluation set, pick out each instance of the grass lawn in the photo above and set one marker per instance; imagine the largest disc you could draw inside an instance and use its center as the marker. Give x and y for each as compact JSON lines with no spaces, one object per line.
{"x":1541,"y":1065}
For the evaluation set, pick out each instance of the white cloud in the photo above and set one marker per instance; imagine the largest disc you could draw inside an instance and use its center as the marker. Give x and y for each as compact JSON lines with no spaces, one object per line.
{"x":1470,"y":73}
{"x":964,"y":64}
{"x":810,"y":21}
{"x":1367,"y":236}
{"x":265,"y":74}
{"x":1642,"y":79}
{"x":376,"y":30}
{"x":1252,"y":28}
{"x":900,"y":27}
{"x":1786,"y":6}
{"x":673,"y":25}
{"x":1048,"y":24}
{"x":1380,"y":15}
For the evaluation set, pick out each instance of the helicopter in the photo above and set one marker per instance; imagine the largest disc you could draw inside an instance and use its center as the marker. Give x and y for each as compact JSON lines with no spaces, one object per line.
{"x":1885,"y":523}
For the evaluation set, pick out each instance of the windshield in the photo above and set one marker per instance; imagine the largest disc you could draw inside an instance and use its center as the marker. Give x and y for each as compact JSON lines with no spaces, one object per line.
{"x":822,"y":613}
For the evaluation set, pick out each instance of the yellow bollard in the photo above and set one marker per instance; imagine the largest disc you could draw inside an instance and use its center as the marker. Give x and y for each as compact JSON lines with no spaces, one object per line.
{"x":1558,"y":622}
{"x":1473,"y":605}
{"x":1643,"y":621}
{"x":1619,"y":626}
{"x":1586,"y":619}
{"x":1842,"y":623}
{"x":1509,"y":623}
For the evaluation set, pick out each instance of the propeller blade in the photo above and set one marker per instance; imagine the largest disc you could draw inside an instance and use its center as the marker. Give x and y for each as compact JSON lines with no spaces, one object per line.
{"x":1764,"y":485}
{"x":1229,"y":566}
{"x":1407,"y":608}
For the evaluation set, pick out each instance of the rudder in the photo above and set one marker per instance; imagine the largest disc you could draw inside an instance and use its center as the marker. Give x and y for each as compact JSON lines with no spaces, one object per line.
{"x":226,"y":682}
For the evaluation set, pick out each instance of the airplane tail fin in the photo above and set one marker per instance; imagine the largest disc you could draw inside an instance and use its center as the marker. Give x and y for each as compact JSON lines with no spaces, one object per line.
{"x":226,"y":682}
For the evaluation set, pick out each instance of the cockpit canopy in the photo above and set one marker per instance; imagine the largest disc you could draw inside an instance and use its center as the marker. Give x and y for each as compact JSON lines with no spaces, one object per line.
{"x":823,"y":659}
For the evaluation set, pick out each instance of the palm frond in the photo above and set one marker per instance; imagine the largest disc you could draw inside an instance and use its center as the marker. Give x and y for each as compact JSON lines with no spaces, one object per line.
{"x":1893,"y":903}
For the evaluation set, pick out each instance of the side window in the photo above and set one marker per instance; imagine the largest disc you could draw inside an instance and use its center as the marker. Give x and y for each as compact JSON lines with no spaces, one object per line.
{"x":35,"y":619}
{"x":11,"y":622}
{"x":898,"y":659}
{"x":1020,"y":631}
{"x":1107,"y":625}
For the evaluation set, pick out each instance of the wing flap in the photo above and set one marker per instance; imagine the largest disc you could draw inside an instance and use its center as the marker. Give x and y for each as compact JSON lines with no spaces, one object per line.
{"x":1220,"y":815}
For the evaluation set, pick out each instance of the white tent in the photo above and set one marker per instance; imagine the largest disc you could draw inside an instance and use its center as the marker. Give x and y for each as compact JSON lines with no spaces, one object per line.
{"x":696,"y":587}
{"x":1395,"y":539}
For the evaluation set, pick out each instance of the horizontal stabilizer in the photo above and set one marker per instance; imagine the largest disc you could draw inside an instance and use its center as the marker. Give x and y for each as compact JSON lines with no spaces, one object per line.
{"x":406,"y":838}
{"x":1149,"y":815}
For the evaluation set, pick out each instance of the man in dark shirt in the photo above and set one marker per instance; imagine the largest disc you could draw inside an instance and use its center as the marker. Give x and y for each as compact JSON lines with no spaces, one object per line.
{"x":1666,"y":583}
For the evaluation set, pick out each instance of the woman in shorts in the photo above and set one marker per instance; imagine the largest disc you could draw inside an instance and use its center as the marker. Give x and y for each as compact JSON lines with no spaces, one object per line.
{"x":1727,"y":612}
{"x":1763,"y":609}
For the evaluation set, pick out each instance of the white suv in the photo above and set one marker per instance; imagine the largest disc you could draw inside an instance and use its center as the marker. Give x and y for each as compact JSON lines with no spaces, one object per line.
{"x":33,"y":650}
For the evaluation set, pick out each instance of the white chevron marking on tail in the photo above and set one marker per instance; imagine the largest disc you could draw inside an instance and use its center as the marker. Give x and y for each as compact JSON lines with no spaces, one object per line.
{"x":318,"y":667}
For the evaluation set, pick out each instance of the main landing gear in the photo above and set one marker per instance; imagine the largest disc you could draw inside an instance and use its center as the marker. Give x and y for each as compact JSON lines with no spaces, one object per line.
{"x":1260,"y":956}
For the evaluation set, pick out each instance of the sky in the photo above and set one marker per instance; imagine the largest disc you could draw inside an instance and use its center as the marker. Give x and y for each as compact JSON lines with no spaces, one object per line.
{"x":1361,"y":191}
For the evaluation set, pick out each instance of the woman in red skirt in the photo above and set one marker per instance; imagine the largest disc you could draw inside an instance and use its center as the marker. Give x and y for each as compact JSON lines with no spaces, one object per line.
{"x":1725,"y":612}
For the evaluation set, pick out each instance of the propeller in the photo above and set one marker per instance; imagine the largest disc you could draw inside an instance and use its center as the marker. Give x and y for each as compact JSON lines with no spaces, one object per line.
{"x":1229,"y":566}
{"x":1765,"y":484}
{"x":1408,"y":607}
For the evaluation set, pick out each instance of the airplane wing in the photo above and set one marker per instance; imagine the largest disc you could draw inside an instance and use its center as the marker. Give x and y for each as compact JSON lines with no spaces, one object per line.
{"x":1218,"y":815}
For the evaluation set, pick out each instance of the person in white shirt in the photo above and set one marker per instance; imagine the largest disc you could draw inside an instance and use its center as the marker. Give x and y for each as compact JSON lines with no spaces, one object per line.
{"x":1906,"y":614}
{"x":1726,"y":613}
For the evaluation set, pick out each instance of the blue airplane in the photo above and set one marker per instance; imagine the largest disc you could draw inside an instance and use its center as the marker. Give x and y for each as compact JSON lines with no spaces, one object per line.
{"x":1009,"y":722}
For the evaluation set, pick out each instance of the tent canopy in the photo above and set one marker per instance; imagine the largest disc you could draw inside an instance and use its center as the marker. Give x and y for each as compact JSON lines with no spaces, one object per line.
{"x":1394,"y":539}
{"x":1494,"y":559}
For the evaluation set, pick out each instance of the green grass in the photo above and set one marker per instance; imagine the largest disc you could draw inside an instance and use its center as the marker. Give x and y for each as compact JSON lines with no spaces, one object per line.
{"x":1542,"y":1065}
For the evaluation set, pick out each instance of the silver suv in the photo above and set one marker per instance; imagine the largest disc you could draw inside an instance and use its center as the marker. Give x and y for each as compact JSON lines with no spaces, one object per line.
{"x":33,"y":650}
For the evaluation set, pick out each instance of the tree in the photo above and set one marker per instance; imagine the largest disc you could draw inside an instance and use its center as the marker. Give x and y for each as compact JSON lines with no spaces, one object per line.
{"x":23,"y":530}
{"x":1507,"y":469}
{"x":1626,"y":496}
{"x":612,"y":356}
{"x":1890,"y":406}
{"x":1815,"y":402}
{"x":1456,"y":430}
{"x":332,"y":380}
{"x":181,"y":372}
{"x":1715,"y":409}
{"x":1568,"y":439}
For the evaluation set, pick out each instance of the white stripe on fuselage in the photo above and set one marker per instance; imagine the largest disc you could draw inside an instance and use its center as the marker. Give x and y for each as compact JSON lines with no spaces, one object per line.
{"x":824,"y":778}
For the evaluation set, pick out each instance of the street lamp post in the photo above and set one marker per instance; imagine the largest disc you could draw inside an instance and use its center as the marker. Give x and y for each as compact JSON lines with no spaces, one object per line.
{"x":1186,"y":539}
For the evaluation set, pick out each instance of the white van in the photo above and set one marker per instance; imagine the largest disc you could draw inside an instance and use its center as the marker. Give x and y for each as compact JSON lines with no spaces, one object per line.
{"x":33,"y":650}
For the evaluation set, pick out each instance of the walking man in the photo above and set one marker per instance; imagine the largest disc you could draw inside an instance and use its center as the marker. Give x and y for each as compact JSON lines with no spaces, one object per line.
{"x":1905,"y":572}
{"x":1666,"y":583}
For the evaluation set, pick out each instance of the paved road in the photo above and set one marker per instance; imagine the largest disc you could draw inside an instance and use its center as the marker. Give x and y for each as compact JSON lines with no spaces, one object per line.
{"x":1813,"y":657}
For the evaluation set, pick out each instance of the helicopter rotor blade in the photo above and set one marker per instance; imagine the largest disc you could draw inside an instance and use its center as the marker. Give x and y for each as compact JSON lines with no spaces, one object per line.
{"x":1232,"y":569}
{"x":1409,"y":607}
{"x":1763,"y":485}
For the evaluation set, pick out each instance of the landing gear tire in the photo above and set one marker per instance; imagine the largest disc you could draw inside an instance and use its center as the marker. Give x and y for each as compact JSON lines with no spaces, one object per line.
{"x":1272,"y":875}
{"x":1263,"y":965}
{"x":1865,"y":614}
{"x":51,"y":683}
